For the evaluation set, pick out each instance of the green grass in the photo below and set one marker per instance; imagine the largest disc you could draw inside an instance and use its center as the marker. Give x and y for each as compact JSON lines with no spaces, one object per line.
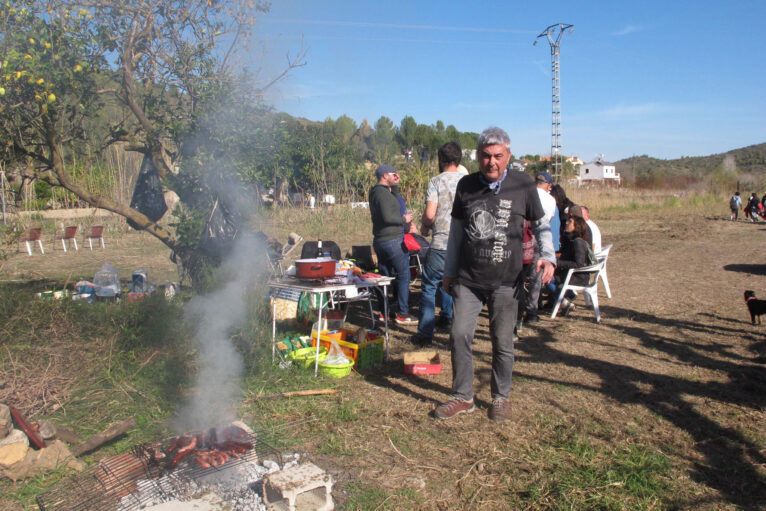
{"x":364,"y":497}
{"x":103,"y":363}
{"x":582,"y":472}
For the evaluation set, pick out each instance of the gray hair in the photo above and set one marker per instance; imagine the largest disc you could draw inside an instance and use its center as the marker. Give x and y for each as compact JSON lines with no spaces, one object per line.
{"x":494,"y":136}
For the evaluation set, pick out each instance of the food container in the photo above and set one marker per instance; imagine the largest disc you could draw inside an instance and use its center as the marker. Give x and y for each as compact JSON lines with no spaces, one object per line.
{"x":365,"y":355}
{"x":315,"y":268}
{"x":422,"y":362}
{"x":304,"y":357}
{"x":336,"y":370}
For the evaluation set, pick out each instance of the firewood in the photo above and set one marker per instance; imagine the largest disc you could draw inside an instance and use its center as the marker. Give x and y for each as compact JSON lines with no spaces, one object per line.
{"x":67,"y":435}
{"x":103,"y":437}
{"x":293,"y":394}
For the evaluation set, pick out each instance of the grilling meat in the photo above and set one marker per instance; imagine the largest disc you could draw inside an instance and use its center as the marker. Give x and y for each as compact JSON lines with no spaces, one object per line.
{"x":212,"y":448}
{"x":184,"y":451}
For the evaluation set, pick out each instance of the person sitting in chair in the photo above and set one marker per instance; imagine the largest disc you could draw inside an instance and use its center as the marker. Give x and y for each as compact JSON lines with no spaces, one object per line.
{"x":575,"y":253}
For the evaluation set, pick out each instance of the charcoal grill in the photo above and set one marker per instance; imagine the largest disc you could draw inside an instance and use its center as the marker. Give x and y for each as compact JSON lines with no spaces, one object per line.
{"x":119,"y":482}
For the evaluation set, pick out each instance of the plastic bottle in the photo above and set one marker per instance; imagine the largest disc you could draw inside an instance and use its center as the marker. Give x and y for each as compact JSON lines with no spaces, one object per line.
{"x":320,"y":253}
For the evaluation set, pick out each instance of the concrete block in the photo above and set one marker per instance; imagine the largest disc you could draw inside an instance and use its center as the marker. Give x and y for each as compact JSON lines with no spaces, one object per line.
{"x":303,"y":487}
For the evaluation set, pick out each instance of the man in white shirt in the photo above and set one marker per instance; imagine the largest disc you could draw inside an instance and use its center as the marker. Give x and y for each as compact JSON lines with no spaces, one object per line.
{"x":436,"y":220}
{"x":544,"y":182}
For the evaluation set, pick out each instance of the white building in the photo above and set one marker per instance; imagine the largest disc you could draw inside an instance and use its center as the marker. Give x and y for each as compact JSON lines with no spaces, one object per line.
{"x":598,"y":171}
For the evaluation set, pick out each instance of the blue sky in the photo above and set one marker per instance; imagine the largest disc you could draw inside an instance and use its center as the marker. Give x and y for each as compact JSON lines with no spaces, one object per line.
{"x":667,"y":79}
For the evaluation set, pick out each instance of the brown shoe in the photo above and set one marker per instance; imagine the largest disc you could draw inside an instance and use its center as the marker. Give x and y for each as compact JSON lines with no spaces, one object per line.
{"x":500,"y":410}
{"x":453,"y":407}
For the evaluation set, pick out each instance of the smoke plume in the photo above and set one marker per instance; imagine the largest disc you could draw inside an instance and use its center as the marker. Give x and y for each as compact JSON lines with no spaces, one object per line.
{"x":216,"y":315}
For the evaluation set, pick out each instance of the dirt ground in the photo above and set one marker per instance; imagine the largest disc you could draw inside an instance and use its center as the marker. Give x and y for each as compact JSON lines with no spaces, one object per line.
{"x":674,"y":368}
{"x":125,"y":248}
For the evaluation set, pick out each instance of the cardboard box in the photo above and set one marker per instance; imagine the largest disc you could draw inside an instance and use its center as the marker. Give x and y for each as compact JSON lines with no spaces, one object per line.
{"x":365,"y":355}
{"x":422,"y":362}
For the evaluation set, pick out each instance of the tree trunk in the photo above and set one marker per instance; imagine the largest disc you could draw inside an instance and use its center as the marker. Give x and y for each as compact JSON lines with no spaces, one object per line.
{"x":58,"y":176}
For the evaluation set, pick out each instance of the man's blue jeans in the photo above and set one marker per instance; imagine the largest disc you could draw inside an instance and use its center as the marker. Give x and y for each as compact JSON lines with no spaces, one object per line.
{"x":393,"y":261}
{"x":433,"y":272}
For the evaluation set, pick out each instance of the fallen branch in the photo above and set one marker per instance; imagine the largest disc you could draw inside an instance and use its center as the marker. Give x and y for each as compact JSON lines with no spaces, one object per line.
{"x":295,"y":393}
{"x":103,"y":437}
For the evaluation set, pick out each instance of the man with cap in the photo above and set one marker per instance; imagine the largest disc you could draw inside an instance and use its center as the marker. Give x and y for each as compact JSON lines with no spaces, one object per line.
{"x":544,"y":183}
{"x":483,"y":267}
{"x":388,"y":238}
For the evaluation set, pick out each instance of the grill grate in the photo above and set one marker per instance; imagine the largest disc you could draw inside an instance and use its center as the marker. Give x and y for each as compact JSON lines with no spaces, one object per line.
{"x":123,"y":481}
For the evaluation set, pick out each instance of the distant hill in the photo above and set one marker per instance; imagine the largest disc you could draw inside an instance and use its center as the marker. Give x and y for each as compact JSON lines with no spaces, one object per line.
{"x":750,"y":162}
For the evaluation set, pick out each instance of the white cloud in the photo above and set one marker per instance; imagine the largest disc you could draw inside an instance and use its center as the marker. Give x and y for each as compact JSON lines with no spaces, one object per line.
{"x":639,"y":111}
{"x":628,"y":29}
{"x":314,"y":90}
{"x":636,"y":112}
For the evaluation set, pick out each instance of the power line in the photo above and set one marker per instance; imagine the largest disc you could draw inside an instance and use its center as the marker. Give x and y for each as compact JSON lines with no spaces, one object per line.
{"x":554,"y":33}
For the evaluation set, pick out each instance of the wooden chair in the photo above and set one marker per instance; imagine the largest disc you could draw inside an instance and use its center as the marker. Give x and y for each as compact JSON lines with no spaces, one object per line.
{"x":30,"y":236}
{"x":67,"y":236}
{"x":96,"y":233}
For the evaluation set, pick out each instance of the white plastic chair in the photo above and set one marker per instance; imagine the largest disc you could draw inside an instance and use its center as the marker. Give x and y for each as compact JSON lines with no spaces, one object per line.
{"x":590,"y":291}
{"x":603,"y":254}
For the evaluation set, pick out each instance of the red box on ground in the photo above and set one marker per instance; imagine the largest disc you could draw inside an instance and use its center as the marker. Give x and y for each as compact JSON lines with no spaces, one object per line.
{"x":422,"y":362}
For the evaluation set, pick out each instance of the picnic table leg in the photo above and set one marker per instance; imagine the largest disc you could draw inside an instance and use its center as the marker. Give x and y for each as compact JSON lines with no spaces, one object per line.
{"x":319,"y":335}
{"x":274,"y":330}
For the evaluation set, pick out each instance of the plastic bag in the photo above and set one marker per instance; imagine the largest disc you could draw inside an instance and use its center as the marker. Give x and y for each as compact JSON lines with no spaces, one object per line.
{"x":221,"y":229}
{"x":170,"y":289}
{"x":106,"y":281}
{"x":148,"y":197}
{"x":335,"y":356}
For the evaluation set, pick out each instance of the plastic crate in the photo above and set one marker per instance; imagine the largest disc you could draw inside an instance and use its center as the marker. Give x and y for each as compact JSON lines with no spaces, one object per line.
{"x":365,"y":355}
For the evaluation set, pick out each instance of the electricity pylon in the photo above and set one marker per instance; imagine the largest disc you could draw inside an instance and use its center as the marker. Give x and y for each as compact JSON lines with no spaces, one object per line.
{"x":554,"y":34}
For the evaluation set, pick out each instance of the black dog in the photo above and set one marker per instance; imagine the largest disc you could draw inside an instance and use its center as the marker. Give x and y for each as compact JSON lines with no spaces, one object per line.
{"x":755,"y":306}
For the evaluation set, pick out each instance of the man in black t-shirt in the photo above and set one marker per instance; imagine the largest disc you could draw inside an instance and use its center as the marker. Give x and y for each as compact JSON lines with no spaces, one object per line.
{"x":483,"y":266}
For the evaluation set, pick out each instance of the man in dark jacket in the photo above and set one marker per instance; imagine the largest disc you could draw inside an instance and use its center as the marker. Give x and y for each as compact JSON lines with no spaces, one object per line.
{"x":388,"y":240}
{"x":483,"y":267}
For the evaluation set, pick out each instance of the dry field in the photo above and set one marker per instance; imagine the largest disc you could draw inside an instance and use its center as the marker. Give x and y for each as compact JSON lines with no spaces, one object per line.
{"x":661,"y":405}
